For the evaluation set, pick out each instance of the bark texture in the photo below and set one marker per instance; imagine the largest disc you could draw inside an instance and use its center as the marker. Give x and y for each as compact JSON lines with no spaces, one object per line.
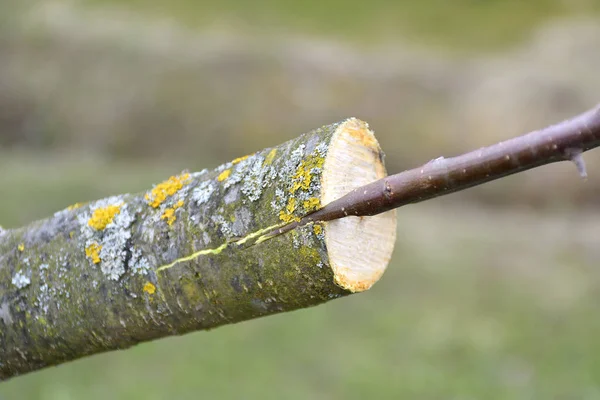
{"x":187,"y":254}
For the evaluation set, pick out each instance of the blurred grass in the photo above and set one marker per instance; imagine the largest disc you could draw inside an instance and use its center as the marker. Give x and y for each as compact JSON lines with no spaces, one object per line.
{"x":477,"y":303}
{"x":90,"y":77}
{"x":460,"y":24}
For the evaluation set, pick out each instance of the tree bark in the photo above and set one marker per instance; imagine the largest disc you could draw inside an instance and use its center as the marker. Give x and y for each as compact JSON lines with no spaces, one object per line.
{"x":191,"y":253}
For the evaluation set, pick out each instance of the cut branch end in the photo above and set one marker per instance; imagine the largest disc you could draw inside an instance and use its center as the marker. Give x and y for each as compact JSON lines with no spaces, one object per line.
{"x":359,"y":247}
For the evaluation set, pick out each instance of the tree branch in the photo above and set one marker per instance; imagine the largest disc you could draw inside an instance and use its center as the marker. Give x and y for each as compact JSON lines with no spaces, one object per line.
{"x":565,"y":141}
{"x":202,"y":250}
{"x":187,"y":255}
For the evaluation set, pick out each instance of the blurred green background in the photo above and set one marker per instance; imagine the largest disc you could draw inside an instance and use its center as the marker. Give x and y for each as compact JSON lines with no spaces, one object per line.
{"x":492,"y":293}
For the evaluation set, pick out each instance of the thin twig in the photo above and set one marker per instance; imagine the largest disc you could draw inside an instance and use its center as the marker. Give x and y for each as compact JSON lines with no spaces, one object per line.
{"x":565,"y":141}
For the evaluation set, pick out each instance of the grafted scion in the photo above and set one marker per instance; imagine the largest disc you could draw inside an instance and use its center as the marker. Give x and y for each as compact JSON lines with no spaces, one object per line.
{"x":564,"y":141}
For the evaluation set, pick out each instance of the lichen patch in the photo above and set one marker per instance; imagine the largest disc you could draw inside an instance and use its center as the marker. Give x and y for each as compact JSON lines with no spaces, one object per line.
{"x":169,"y":213}
{"x":149,"y":288}
{"x":239,"y":159}
{"x":302,"y":176}
{"x":270,"y":157}
{"x":224,"y":175}
{"x":254,"y":179}
{"x":249,"y":176}
{"x":139,"y":264}
{"x":202,"y":193}
{"x":102,"y":216}
{"x":318,"y":229}
{"x":287,"y":214}
{"x":21,"y":280}
{"x":107,"y":247}
{"x":92,"y":252}
{"x":223,"y":224}
{"x":166,"y":189}
{"x":312,"y":204}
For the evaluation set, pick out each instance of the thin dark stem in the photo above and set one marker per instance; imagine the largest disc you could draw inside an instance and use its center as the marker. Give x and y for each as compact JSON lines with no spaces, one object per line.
{"x":564,"y":141}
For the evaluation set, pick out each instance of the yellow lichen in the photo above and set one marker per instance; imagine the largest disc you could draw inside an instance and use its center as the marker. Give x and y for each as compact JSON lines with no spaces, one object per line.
{"x":149,"y":288}
{"x":270,"y":157}
{"x":312,"y":204}
{"x":93,"y":252}
{"x":239,"y":159}
{"x":224,"y":175}
{"x":291,"y":205}
{"x":286,"y":215}
{"x":318,"y":229}
{"x":104,"y":216}
{"x":21,"y":247}
{"x":166,"y":189}
{"x":74,"y":206}
{"x":169,"y":214}
{"x":303,"y":175}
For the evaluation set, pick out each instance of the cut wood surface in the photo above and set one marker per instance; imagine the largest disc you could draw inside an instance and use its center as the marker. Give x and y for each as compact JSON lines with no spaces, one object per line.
{"x":192,"y":252}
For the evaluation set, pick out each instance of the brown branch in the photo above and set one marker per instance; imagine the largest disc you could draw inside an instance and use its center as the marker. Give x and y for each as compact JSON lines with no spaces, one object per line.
{"x":565,"y":141}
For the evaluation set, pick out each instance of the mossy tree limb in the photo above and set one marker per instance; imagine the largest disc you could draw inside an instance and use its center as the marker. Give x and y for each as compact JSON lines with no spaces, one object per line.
{"x":190,"y":253}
